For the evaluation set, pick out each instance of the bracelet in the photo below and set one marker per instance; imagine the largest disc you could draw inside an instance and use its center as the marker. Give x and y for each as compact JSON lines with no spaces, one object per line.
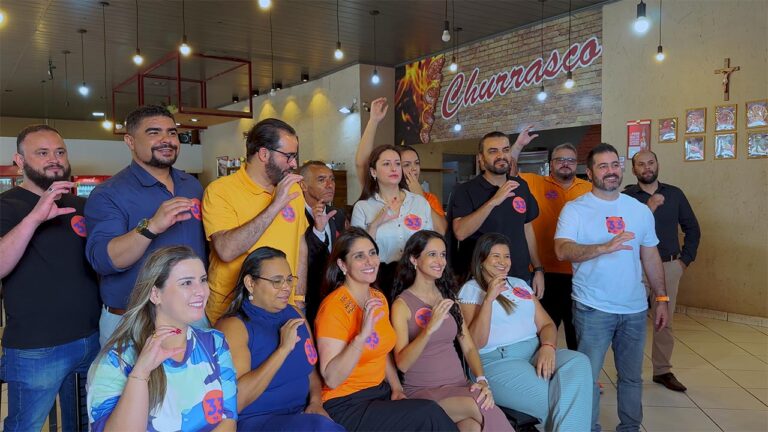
{"x":538,"y":269}
{"x":543,"y":344}
{"x":481,"y":378}
{"x":138,"y":378}
{"x":662,"y":298}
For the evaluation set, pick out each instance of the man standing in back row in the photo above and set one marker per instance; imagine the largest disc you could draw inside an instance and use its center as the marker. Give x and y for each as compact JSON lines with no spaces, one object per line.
{"x":670,"y":208}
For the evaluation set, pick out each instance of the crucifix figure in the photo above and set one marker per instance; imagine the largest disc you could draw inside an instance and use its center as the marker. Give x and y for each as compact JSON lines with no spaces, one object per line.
{"x":726,"y":71}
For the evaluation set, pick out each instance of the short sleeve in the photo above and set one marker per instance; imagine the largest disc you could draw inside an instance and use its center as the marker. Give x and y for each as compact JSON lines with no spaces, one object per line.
{"x":460,"y":203}
{"x":649,"y":239}
{"x":434,"y":203}
{"x":218,"y":213}
{"x":228,"y":377}
{"x":106,"y":382}
{"x":471,"y":293}
{"x":332,"y":321}
{"x":533,"y":207}
{"x":568,"y":223}
{"x":428,"y":224}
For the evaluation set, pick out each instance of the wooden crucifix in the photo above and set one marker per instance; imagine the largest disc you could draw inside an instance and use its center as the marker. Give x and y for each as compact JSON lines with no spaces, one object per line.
{"x":726,"y":71}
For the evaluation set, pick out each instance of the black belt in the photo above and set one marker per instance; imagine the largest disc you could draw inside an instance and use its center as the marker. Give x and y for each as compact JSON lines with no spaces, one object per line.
{"x":668,"y":258}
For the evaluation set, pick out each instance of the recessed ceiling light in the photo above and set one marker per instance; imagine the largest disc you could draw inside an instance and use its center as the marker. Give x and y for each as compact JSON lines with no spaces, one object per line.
{"x":97,"y":114}
{"x":194,"y":120}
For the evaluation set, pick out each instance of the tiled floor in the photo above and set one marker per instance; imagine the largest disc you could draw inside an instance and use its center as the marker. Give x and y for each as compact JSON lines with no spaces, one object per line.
{"x":723,"y":364}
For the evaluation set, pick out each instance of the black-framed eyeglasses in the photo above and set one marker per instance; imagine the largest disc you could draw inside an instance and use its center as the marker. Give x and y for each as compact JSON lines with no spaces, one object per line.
{"x":288,"y":156}
{"x":565,"y":161}
{"x":279,"y":282}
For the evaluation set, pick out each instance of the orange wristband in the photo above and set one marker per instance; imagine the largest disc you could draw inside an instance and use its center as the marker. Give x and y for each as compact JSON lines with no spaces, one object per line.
{"x":662,"y":299}
{"x":543,"y":344}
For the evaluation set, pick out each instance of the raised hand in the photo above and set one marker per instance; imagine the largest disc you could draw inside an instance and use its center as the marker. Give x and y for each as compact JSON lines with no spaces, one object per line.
{"x":46,"y":208}
{"x":505,"y":191}
{"x":320,"y":216}
{"x":439,"y":314}
{"x":617,"y":243}
{"x":412,"y":180}
{"x":289,"y":334}
{"x":154,"y":354}
{"x":525,"y":136}
{"x":379,"y":109}
{"x":282,"y":194}
{"x":371,"y":315}
{"x":496,"y":286}
{"x":174,"y":210}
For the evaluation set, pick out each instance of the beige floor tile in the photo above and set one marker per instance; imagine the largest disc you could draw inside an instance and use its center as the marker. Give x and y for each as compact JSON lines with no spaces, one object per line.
{"x":749,"y":379}
{"x":739,"y":362}
{"x":667,"y":419}
{"x":760,"y":393}
{"x":603,"y":378}
{"x":751,"y":336}
{"x":611,"y":372}
{"x":689,"y":361}
{"x":760,"y":329}
{"x":609,"y":396}
{"x":698,"y":336}
{"x":704,"y":377}
{"x":656,"y":395}
{"x":609,"y":417}
{"x":758,"y":349}
{"x":728,"y":398}
{"x":739,"y":420}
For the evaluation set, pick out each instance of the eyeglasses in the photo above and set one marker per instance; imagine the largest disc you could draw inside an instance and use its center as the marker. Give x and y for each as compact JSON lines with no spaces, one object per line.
{"x":280,"y":282}
{"x":565,"y":161}
{"x":288,"y":156}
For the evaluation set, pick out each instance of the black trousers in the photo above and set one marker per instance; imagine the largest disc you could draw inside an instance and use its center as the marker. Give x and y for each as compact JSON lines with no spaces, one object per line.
{"x":372,"y":410}
{"x":557,"y":302}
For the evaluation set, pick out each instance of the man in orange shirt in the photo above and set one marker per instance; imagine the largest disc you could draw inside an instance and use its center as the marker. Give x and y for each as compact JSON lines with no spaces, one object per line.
{"x":551,"y":193}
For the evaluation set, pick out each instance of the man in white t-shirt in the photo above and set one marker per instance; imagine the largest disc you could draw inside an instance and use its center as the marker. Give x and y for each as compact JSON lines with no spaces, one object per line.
{"x":607,"y":236}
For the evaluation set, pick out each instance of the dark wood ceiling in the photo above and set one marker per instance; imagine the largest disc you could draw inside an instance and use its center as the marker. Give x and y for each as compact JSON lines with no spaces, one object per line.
{"x":304,"y":37}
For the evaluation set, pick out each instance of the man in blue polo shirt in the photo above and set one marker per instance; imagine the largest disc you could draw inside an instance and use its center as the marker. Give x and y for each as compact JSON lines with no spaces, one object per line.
{"x":144,"y":207}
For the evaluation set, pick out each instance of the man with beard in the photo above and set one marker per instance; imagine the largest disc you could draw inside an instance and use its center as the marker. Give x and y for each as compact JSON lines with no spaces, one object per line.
{"x":146,"y":206}
{"x":259,"y":205}
{"x":551,"y":193}
{"x":51,"y":294}
{"x":670,"y":208}
{"x":325,"y":224}
{"x":497,"y":202}
{"x":610,"y":239}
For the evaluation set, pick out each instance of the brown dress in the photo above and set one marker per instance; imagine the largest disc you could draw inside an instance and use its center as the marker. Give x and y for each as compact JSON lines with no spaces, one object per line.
{"x":438,"y":373}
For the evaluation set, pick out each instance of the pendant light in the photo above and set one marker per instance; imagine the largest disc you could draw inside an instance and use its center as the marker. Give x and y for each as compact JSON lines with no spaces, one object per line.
{"x":338,"y":54}
{"x":375,"y":79}
{"x":265,"y":4}
{"x":542,"y":95}
{"x":453,"y":67}
{"x":272,"y":58}
{"x":106,"y":124}
{"x":83,"y":88}
{"x":457,"y":125}
{"x":137,"y":58}
{"x":446,"y":36}
{"x":642,"y":24}
{"x":66,"y":77}
{"x":659,"y":50}
{"x":568,"y":75}
{"x":184,"y":48}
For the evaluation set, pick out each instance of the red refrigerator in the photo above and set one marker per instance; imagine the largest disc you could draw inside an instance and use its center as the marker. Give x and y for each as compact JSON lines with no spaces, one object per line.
{"x":84,"y":184}
{"x":10,"y":176}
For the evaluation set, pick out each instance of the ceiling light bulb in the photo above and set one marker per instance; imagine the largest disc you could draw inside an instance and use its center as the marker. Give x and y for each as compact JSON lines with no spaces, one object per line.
{"x":375,"y":77}
{"x":184,"y":48}
{"x":97,"y":114}
{"x":338,"y":54}
{"x":137,"y":58}
{"x":542,"y":95}
{"x":265,"y":4}
{"x":106,"y":124}
{"x":2,"y":17}
{"x":568,"y":80}
{"x":83,"y":89}
{"x":457,"y":127}
{"x":446,"y":32}
{"x":453,"y":66}
{"x":194,"y":120}
{"x":642,"y":25}
{"x":660,"y":54}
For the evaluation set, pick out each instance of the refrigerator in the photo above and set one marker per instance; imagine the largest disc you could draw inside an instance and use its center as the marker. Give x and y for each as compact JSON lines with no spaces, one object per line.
{"x":84,"y":184}
{"x":10,"y":177}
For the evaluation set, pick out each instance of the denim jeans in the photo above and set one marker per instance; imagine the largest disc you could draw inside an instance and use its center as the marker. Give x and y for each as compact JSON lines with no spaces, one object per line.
{"x":595,"y":331}
{"x":35,"y":376}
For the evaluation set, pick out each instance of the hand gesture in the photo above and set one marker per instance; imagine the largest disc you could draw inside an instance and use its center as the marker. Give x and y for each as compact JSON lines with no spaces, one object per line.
{"x":289,"y":334}
{"x":655,"y":201}
{"x":153,"y":354}
{"x":662,"y":315}
{"x":379,"y":109}
{"x":413,"y":182}
{"x":617,"y":243}
{"x":485,"y":397}
{"x":545,"y":362}
{"x":496,"y":286}
{"x":439,"y":314}
{"x":505,"y":191}
{"x":383,"y":216}
{"x":370,"y":316}
{"x":46,"y":208}
{"x":525,"y":136}
{"x":282,"y":194}
{"x":174,"y":210}
{"x":321,"y":217}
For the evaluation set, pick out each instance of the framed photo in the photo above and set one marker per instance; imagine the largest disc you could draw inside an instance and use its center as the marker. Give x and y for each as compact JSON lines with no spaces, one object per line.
{"x":757,"y":144}
{"x":696,"y":120}
{"x":725,"y":118}
{"x":725,"y":146}
{"x":668,"y":129}
{"x":638,"y":136}
{"x":757,"y":113}
{"x":694,"y":148}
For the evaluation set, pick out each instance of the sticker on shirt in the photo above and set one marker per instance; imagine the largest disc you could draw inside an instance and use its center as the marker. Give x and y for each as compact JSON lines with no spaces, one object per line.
{"x":615,"y":224}
{"x":423,"y":316}
{"x":551,"y":194}
{"x":521,"y":293}
{"x":310,"y":351}
{"x":372,"y":341}
{"x":213,"y":406}
{"x":288,"y":214}
{"x":519,"y":205}
{"x":412,"y":222}
{"x":78,"y":225}
{"x":197,"y":209}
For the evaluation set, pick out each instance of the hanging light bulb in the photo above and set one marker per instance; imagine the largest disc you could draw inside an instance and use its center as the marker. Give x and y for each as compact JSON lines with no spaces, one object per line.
{"x":542,"y":95}
{"x":642,"y":24}
{"x":137,"y":58}
{"x":2,"y":17}
{"x":569,"y":75}
{"x":568,"y":80}
{"x":375,"y":80}
{"x":83,"y":89}
{"x":457,"y":125}
{"x":338,"y":54}
{"x":106,"y":124}
{"x":265,"y":4}
{"x":184,"y":48}
{"x":446,"y":37}
{"x":660,"y":54}
{"x":453,"y":67}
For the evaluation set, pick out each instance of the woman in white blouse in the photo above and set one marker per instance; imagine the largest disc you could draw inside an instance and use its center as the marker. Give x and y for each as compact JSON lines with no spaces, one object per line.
{"x":517,"y":341}
{"x":388,"y":211}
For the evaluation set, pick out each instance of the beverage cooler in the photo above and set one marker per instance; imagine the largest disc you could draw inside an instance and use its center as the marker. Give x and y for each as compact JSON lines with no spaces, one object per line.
{"x":10,"y":176}
{"x":84,"y":184}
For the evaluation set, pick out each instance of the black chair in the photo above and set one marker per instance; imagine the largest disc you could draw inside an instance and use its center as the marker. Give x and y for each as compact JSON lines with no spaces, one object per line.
{"x":521,"y":421}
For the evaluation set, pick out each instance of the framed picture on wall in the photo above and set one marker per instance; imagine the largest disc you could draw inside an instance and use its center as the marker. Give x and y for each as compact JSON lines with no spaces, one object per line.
{"x":725,"y":118}
{"x":638,"y":136}
{"x":694,"y":148}
{"x":757,"y":113}
{"x":725,"y":146}
{"x":668,"y":129}
{"x":696,"y":120}
{"x":757,"y":144}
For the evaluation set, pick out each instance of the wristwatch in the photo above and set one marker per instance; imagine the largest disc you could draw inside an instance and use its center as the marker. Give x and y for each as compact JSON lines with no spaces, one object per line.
{"x":538,"y":269}
{"x":142,"y":229}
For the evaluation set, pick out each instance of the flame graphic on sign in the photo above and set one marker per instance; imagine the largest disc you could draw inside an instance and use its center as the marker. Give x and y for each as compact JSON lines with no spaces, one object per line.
{"x":416,"y":97}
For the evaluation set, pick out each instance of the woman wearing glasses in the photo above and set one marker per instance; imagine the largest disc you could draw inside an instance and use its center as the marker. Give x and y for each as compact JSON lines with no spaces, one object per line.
{"x":278,"y":387}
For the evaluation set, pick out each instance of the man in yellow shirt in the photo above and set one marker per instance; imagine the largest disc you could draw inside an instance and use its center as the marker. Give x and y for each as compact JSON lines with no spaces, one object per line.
{"x":259,"y":205}
{"x":551,"y":193}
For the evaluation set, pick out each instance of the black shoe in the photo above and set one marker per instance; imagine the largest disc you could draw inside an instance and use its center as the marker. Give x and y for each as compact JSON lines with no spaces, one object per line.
{"x":669,"y":381}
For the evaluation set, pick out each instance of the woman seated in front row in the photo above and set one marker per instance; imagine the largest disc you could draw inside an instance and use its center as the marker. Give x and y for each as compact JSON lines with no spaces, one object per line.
{"x":518,"y":341}
{"x":272,"y":350}
{"x":354,"y":339}
{"x":157,"y":372}
{"x":427,"y":320}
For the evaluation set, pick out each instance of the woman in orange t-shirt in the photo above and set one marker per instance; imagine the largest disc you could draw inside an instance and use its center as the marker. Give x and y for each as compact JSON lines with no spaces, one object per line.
{"x":355,"y":340}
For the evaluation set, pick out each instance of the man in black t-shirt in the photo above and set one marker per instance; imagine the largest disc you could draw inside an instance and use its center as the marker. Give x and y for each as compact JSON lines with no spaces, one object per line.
{"x":50,"y":291}
{"x":497,"y":202}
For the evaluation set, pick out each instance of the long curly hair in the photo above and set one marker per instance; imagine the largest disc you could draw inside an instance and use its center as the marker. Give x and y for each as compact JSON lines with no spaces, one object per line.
{"x":405,"y":274}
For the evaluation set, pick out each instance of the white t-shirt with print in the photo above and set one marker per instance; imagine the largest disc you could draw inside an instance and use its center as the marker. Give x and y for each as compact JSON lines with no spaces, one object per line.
{"x":611,"y":282}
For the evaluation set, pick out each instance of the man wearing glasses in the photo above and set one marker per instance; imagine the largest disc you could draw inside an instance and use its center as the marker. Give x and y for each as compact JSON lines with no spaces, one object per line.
{"x":259,"y":205}
{"x":551,"y":193}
